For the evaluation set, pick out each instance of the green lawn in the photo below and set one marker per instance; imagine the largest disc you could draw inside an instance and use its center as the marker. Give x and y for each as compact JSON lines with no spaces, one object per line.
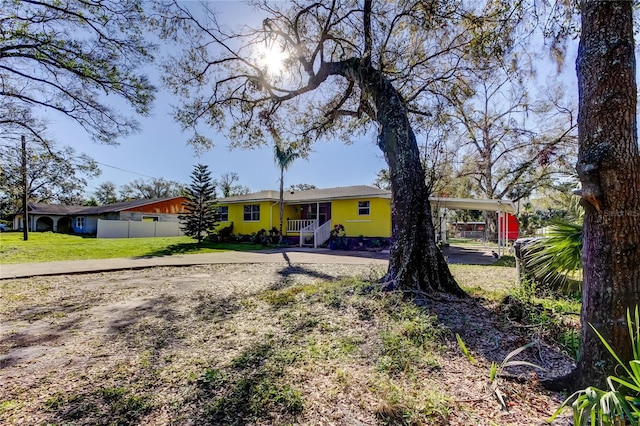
{"x":47,"y":247}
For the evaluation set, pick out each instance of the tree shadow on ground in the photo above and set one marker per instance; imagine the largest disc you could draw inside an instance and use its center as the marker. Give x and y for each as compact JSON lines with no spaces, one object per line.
{"x":250,"y":389}
{"x":212,"y":307}
{"x":491,"y":334}
{"x":12,"y":344}
{"x":293,"y":269}
{"x":150,"y":325}
{"x":45,"y":325}
{"x":98,"y":405}
{"x":195,"y":247}
{"x":173,"y":249}
{"x":61,"y":307}
{"x":145,"y":330}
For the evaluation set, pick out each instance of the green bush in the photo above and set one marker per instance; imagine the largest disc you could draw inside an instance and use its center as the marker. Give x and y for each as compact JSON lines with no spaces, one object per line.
{"x":621,"y":403}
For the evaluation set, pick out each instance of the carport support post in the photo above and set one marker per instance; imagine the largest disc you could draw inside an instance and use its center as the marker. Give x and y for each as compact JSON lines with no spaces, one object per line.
{"x":442,"y":215}
{"x":499,"y":239}
{"x":25,"y":192}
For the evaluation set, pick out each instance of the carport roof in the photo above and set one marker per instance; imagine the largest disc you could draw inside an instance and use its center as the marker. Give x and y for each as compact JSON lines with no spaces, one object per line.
{"x":473,"y":204}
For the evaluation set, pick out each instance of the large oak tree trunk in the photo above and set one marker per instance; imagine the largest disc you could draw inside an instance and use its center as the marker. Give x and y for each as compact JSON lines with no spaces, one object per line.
{"x":608,"y":165}
{"x":415,"y":261}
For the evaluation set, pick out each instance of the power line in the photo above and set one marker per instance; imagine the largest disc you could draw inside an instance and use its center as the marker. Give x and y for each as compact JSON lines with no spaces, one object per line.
{"x":97,"y":162}
{"x":124,"y":170}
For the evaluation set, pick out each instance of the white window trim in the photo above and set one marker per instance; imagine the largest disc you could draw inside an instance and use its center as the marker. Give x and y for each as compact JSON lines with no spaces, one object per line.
{"x":252,"y":213}
{"x":226,"y":214}
{"x":368,"y":208}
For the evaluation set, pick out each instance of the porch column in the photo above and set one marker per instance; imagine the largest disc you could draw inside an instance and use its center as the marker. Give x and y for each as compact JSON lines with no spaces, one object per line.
{"x":500,"y":216}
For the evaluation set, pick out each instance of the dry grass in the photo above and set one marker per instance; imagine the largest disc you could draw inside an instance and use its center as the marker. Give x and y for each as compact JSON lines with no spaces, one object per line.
{"x":253,"y":345}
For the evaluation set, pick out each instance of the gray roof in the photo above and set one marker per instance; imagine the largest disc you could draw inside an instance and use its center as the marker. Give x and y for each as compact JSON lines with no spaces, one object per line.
{"x":65,"y":210}
{"x":312,"y":195}
{"x":254,"y":196}
{"x":55,"y":209}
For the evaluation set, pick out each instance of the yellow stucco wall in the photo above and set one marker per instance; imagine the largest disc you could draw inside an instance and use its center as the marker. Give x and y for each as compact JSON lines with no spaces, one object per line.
{"x":288,"y":213}
{"x":345,"y":212}
{"x":269,"y":214}
{"x":376,"y":224}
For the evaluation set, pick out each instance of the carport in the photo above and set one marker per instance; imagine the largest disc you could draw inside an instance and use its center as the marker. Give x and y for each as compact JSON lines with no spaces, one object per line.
{"x":503,"y":207}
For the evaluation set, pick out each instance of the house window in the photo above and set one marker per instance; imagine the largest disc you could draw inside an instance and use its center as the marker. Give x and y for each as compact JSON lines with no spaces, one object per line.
{"x":364,"y":208}
{"x":149,"y":218}
{"x":80,"y":222}
{"x":222,"y":214}
{"x":252,"y":212}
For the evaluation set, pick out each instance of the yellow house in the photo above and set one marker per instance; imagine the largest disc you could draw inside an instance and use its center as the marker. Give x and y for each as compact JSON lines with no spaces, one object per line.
{"x":311,"y":215}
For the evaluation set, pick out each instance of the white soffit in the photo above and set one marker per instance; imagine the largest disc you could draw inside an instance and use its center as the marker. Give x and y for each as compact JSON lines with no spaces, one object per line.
{"x":473,"y":204}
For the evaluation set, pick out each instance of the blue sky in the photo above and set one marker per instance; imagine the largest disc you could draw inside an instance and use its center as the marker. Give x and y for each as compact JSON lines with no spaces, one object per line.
{"x":160,"y":150}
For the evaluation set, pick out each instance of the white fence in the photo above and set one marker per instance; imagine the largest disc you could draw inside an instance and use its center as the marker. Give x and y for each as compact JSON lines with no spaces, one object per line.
{"x":136,"y":229}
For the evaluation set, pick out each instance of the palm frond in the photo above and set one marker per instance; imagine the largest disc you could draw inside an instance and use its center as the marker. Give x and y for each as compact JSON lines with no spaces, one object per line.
{"x":557,"y":256}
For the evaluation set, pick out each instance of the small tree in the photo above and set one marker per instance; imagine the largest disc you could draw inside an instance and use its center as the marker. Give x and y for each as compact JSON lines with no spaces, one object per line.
{"x":228,"y":186}
{"x":149,"y":189}
{"x":284,"y":158}
{"x":302,"y":187}
{"x":106,"y":193}
{"x":200,"y":204}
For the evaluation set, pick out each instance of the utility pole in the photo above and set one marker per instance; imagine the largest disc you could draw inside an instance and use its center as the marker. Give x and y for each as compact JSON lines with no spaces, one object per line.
{"x":25,"y":192}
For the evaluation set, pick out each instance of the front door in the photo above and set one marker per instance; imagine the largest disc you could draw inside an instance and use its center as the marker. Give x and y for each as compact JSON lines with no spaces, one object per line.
{"x":321,"y":211}
{"x":324,"y":214}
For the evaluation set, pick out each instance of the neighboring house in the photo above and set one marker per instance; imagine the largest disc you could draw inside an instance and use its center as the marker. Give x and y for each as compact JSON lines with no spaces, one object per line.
{"x":362,"y":210}
{"x":84,"y":219}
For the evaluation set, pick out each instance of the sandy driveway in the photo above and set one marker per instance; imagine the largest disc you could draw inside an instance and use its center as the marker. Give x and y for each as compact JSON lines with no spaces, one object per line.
{"x":42,"y":317}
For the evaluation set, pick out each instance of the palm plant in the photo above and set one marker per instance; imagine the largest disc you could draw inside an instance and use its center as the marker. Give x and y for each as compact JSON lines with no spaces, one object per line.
{"x":555,"y":258}
{"x":284,"y":158}
{"x":620,"y":403}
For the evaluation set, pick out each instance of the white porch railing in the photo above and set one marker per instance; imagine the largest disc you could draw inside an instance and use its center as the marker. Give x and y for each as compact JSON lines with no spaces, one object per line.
{"x":322,"y":234}
{"x":308,"y":230}
{"x":299,"y":225}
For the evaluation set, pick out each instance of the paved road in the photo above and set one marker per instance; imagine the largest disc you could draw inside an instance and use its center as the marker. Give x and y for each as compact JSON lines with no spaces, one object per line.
{"x":290,"y":255}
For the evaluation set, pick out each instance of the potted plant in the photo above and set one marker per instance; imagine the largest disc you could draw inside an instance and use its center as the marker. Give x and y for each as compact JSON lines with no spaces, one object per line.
{"x":338,"y":240}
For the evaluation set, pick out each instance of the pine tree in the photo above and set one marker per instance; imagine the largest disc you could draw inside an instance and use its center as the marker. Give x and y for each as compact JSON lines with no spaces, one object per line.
{"x":200,"y":208}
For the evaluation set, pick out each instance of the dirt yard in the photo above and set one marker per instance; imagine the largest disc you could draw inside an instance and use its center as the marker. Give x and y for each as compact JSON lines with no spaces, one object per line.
{"x":255,"y":344}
